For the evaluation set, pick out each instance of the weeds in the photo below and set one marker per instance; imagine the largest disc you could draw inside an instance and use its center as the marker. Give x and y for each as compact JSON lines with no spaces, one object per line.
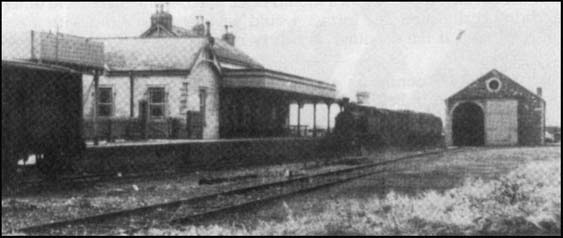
{"x":526,"y":201}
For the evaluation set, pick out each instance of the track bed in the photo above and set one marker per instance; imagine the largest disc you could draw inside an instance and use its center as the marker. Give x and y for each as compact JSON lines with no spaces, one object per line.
{"x":111,"y":197}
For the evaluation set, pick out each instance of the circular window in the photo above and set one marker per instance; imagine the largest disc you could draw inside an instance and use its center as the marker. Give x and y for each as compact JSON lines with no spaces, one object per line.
{"x":493,"y":84}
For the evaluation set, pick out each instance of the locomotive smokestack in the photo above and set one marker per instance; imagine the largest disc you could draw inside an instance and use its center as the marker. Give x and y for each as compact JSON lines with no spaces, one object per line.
{"x":539,"y":92}
{"x":344,"y":103}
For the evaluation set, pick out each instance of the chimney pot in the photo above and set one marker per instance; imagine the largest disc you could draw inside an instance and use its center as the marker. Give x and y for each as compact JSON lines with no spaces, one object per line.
{"x":539,"y":91}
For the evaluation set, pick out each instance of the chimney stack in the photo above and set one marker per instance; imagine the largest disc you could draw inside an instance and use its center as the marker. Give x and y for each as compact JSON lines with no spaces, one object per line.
{"x":228,"y":36}
{"x":199,"y":27}
{"x":208,"y":34}
{"x":208,"y":29}
{"x":539,"y":92}
{"x":160,"y":17}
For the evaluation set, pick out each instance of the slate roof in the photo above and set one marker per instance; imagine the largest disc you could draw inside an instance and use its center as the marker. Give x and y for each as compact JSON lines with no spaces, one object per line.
{"x":229,"y":54}
{"x":124,"y":54}
{"x":167,"y":53}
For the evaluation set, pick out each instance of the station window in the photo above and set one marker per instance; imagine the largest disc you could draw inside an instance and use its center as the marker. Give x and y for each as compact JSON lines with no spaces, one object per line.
{"x":157,"y":101}
{"x":105,"y":102}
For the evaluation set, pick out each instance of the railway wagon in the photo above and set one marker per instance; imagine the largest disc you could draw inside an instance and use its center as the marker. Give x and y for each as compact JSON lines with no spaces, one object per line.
{"x":361,"y":129}
{"x":41,"y":116}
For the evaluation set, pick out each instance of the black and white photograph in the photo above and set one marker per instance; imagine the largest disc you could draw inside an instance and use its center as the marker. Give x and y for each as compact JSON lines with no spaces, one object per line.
{"x":281,"y":118}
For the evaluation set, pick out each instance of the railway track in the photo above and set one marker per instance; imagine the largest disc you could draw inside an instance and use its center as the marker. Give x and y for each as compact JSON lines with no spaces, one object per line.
{"x":195,"y":209}
{"x":80,"y":181}
{"x":38,"y":183}
{"x":34,"y":185}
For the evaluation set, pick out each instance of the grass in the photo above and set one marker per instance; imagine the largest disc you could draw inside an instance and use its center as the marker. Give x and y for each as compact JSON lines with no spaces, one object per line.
{"x":510,"y":191}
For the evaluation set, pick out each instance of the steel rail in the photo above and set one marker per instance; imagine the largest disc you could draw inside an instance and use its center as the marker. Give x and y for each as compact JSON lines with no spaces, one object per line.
{"x":298,"y":184}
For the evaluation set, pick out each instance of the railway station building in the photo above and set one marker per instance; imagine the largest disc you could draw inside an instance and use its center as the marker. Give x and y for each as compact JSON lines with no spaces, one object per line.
{"x":495,"y":110}
{"x":184,"y":83}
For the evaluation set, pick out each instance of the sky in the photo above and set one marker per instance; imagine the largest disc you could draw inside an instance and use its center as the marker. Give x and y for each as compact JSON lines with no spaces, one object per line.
{"x":405,"y":55}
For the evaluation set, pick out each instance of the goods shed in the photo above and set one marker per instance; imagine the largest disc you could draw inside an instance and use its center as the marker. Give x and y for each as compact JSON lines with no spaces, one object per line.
{"x":495,"y":110}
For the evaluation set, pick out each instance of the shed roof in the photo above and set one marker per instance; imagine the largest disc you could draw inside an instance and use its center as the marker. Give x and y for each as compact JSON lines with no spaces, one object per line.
{"x":478,"y":89}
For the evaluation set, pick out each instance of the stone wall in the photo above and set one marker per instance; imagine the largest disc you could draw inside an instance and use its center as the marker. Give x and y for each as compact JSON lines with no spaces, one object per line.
{"x":531,"y":122}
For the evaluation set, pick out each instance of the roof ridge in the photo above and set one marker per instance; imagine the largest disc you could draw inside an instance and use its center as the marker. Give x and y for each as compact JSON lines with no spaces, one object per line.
{"x":143,"y":38}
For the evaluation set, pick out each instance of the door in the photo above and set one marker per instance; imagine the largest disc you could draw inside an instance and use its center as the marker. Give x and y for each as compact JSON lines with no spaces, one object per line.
{"x":501,"y":122}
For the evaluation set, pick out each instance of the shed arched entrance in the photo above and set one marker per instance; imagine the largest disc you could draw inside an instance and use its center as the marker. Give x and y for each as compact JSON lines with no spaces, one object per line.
{"x":468,"y":125}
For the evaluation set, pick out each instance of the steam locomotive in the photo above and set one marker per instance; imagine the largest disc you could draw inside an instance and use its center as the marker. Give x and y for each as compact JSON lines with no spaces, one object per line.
{"x":360,"y":129}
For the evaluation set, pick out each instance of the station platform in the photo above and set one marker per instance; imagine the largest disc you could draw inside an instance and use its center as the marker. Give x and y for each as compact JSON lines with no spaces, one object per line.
{"x":125,"y":143}
{"x":182,"y":155}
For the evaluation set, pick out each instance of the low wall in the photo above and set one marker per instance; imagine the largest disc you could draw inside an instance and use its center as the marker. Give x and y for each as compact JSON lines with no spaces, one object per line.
{"x":131,"y":128}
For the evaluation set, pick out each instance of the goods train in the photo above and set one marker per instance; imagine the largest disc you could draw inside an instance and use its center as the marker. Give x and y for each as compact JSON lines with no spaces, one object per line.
{"x":41,"y":116}
{"x":361,"y":129}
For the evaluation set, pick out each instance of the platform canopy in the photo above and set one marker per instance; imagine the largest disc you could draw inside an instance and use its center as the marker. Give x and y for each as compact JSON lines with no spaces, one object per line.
{"x":302,"y":87}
